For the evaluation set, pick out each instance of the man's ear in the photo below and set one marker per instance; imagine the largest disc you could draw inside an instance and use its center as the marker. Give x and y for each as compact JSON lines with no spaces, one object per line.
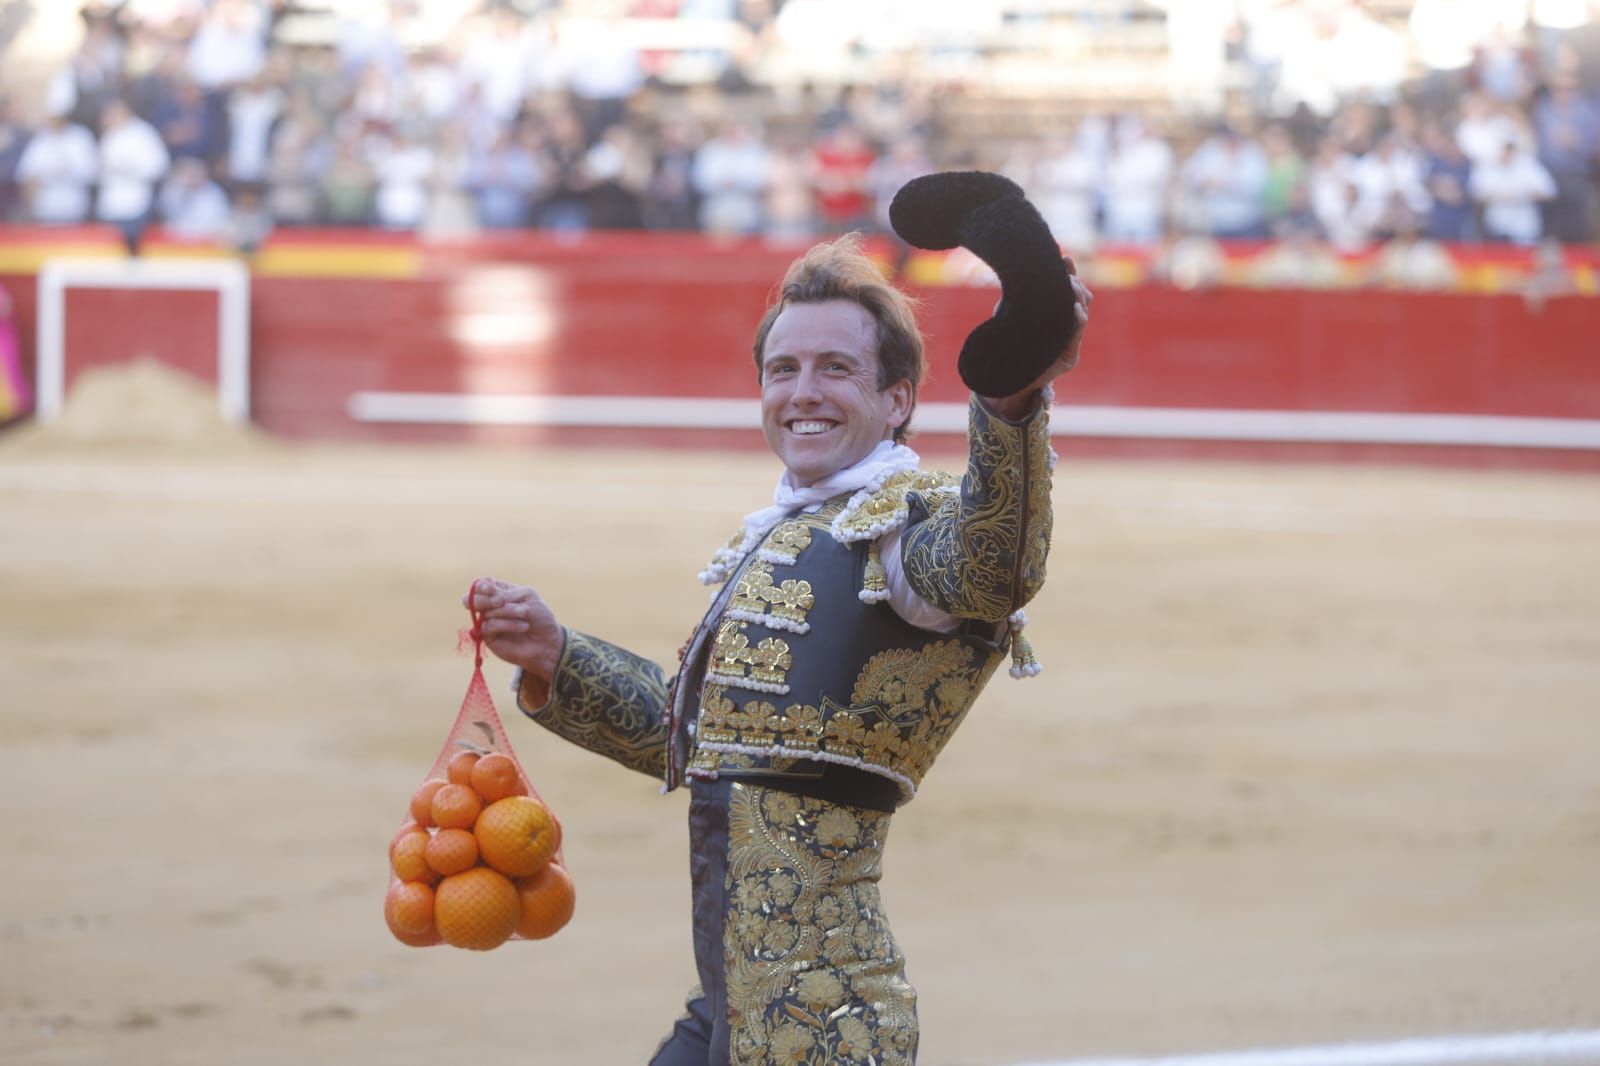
{"x":901,"y":396}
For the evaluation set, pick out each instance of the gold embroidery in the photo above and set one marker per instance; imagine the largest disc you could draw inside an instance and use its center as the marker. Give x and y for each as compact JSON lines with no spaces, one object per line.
{"x":982,"y":555}
{"x":785,"y":543}
{"x":781,"y":606}
{"x":905,"y":706}
{"x":764,"y":667}
{"x":610,"y":701}
{"x":814,"y":975}
{"x":886,"y":508}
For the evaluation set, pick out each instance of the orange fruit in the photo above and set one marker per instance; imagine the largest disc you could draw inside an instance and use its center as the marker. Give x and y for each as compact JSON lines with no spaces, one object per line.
{"x":459,"y":768}
{"x":409,"y":827}
{"x":495,"y":776}
{"x":422,"y":800}
{"x":547,"y":902}
{"x":451,"y":851}
{"x":409,"y":908}
{"x":476,"y":909}
{"x":456,"y":807}
{"x":410,"y":858}
{"x":404,"y":900}
{"x":517,"y":835}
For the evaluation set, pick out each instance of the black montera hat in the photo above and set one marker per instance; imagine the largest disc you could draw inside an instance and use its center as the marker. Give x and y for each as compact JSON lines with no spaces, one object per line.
{"x":988,"y":215}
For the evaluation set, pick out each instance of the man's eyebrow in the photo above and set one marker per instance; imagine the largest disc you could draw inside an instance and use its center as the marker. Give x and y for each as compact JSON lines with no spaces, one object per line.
{"x":831,"y":354}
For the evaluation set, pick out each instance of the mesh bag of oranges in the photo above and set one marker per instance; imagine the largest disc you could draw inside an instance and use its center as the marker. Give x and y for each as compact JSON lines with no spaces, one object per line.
{"x":477,"y":861}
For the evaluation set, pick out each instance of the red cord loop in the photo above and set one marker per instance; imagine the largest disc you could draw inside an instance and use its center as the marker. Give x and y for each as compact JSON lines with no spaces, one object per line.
{"x":475,"y":634}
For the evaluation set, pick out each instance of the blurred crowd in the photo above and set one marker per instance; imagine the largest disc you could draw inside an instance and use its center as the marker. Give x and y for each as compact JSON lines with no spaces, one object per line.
{"x":207,"y":117}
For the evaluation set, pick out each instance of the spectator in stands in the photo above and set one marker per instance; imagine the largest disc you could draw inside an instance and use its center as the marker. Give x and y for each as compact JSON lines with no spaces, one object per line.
{"x":58,"y":169}
{"x":603,"y":72}
{"x":132,"y":160}
{"x":297,"y":164}
{"x":187,"y":126}
{"x":616,"y":173}
{"x":564,"y":206}
{"x":1332,"y":196}
{"x":1189,"y":259}
{"x":1511,"y":189}
{"x":451,"y":213}
{"x":14,"y":136}
{"x":906,"y":158}
{"x":1138,"y":174}
{"x":1446,"y":174}
{"x":1389,"y":190}
{"x":347,"y":194}
{"x":405,"y":168}
{"x":670,"y":199}
{"x":790,"y":207}
{"x":1066,"y":183}
{"x":254,"y":108}
{"x":1567,"y":125}
{"x":193,"y":207}
{"x":1286,"y":176}
{"x":229,"y":46}
{"x":1549,"y":277}
{"x":505,"y":176}
{"x":1413,"y":261}
{"x":1504,"y":66}
{"x":503,"y":56}
{"x":153,"y":93}
{"x":1484,"y":127}
{"x":93,"y":78}
{"x":1228,"y":174}
{"x":250,"y":223}
{"x":840,"y":163}
{"x":1298,"y":259}
{"x":731,"y":174}
{"x":430,"y":87}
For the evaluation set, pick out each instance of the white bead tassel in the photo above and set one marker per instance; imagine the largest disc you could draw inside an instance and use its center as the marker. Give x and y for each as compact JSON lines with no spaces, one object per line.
{"x":1023,"y":663}
{"x":874,"y":582}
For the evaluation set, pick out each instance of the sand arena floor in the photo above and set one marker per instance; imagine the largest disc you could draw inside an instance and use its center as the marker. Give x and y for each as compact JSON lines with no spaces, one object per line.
{"x":1313,"y":759}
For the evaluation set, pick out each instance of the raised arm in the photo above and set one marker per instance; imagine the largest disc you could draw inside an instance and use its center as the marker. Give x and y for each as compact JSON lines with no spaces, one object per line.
{"x":982,"y":555}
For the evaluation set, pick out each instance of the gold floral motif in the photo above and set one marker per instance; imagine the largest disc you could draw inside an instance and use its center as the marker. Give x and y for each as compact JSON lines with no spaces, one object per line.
{"x":785,"y":543}
{"x":905,"y":706}
{"x":610,"y":701}
{"x":763,"y":667}
{"x":982,"y":555}
{"x":779,"y":606}
{"x":814,"y":975}
{"x":886,"y":508}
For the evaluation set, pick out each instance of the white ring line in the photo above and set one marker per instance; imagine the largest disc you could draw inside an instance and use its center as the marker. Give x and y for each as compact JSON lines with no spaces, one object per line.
{"x":1158,"y":423}
{"x":1533,"y":1046}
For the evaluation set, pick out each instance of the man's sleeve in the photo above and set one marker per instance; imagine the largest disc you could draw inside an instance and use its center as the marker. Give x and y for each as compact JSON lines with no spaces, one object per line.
{"x":981,"y":555}
{"x":605,"y":699}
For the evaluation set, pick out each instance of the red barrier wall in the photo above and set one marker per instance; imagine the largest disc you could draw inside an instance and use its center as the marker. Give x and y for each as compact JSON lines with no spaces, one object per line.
{"x":673,"y":316}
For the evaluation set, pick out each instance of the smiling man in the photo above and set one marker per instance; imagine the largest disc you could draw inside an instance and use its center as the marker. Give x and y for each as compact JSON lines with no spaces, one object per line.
{"x":858,"y":618}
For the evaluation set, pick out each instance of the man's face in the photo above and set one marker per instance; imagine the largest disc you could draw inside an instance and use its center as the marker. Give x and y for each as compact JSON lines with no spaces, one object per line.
{"x":821,"y":409}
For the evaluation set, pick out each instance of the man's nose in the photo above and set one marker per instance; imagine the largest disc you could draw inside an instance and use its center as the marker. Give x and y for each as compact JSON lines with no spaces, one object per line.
{"x":807,"y":391}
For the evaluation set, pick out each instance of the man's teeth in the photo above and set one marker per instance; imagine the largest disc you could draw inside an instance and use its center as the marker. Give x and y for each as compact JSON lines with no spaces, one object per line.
{"x":810,"y":427}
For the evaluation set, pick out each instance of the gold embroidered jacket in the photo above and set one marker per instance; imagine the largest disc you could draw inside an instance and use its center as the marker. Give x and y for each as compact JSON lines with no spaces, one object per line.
{"x":799,"y":661}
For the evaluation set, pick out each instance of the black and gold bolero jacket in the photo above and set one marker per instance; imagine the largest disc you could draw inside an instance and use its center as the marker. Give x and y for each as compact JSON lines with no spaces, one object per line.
{"x":800,"y":663}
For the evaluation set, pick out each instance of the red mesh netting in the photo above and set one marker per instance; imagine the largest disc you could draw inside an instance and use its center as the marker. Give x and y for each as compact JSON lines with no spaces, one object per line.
{"x":477,"y":861}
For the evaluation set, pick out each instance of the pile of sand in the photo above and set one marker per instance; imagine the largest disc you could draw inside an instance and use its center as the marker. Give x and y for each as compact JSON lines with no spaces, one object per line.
{"x":143,"y":403}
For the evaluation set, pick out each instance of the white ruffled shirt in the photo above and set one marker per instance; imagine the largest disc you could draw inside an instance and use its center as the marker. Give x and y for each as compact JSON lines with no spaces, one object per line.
{"x":885,"y":459}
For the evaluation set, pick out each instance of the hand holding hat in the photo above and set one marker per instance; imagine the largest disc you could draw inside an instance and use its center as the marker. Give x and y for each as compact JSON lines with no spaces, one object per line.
{"x":1037,"y":318}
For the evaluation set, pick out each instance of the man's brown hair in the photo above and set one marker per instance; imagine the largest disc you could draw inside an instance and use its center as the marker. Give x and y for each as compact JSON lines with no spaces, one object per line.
{"x":841,"y":270}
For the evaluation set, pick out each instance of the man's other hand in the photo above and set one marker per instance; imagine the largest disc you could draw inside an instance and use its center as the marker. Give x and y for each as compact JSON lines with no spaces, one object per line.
{"x":1020,"y":405}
